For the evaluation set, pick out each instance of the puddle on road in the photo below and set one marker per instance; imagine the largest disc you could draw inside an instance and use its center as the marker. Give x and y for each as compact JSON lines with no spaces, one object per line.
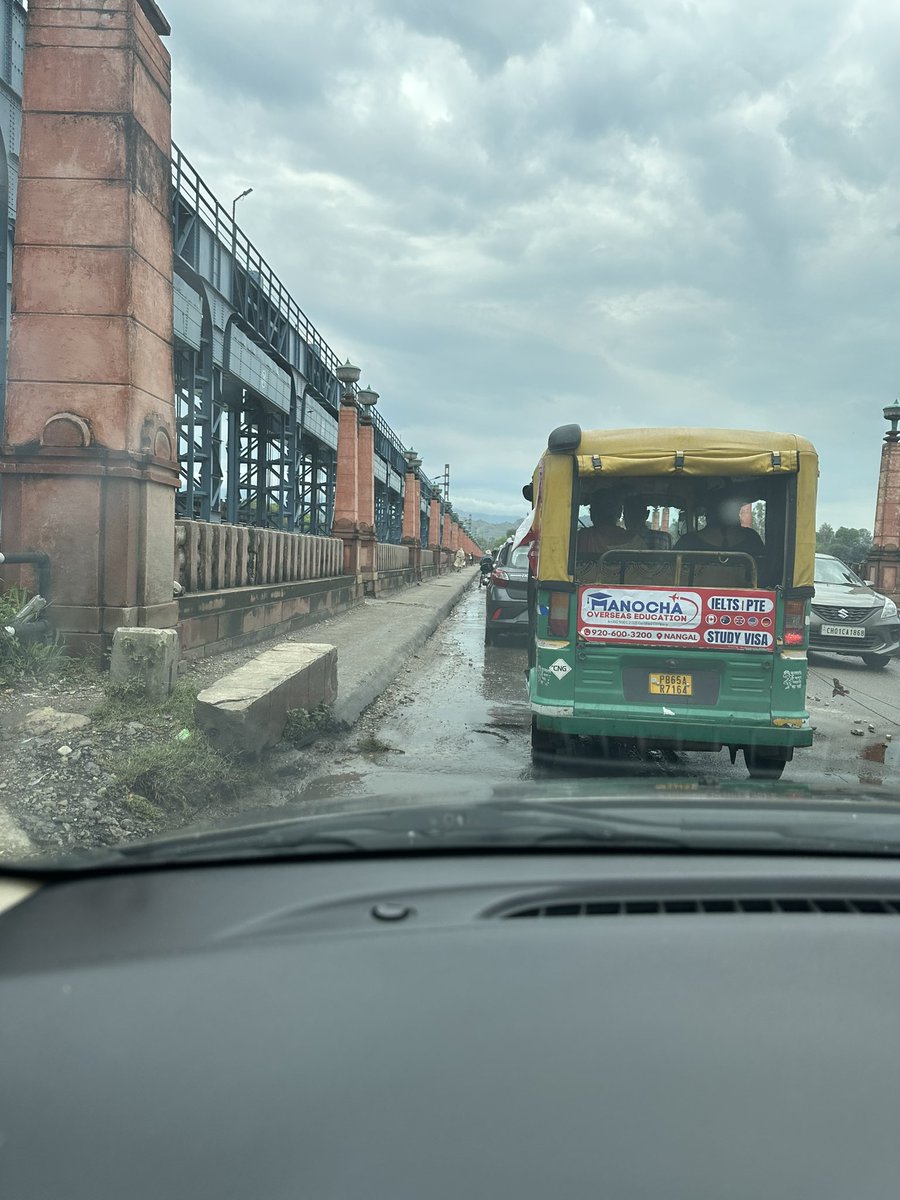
{"x":323,"y":787}
{"x":512,"y":716}
{"x":875,"y":752}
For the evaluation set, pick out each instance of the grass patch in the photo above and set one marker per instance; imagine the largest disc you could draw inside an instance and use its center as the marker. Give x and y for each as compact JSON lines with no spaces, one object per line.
{"x":142,"y":807}
{"x":124,"y":702}
{"x":177,"y":775}
{"x":19,"y":660}
{"x":303,"y":725}
{"x":175,"y":772}
{"x":22,"y":661}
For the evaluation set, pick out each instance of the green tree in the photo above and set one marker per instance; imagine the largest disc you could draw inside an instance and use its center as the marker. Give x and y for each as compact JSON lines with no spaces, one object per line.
{"x":850,"y":545}
{"x":824,"y":538}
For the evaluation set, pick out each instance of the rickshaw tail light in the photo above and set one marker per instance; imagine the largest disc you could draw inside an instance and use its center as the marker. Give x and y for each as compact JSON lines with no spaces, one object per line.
{"x":794,"y":622}
{"x":558,"y":622}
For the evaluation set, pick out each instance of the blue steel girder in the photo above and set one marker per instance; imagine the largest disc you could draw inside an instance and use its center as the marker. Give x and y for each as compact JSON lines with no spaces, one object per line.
{"x":199,"y":420}
{"x":277,"y":472}
{"x":395,"y":518}
{"x":316,"y":472}
{"x":382,"y":512}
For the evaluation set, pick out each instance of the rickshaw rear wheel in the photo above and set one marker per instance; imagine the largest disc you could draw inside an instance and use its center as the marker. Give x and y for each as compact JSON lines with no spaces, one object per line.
{"x":764,"y":762}
{"x":544,"y":742}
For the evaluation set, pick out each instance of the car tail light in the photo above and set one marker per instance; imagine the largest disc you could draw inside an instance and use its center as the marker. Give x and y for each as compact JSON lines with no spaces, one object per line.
{"x":558,"y":623}
{"x":794,"y":622}
{"x":499,"y":577}
{"x":497,"y":614}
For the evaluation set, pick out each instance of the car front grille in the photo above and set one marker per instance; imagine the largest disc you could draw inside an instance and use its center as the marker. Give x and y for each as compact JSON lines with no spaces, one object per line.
{"x":843,"y":615}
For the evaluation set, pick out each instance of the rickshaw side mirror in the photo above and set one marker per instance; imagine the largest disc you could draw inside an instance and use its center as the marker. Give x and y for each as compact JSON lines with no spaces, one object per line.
{"x":528,"y":492}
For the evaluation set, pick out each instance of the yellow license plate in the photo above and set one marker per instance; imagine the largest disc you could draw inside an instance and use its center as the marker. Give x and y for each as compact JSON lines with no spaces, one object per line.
{"x":671,"y":685}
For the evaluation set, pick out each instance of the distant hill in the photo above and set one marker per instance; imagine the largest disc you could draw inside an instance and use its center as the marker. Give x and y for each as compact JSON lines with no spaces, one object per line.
{"x":488,"y":533}
{"x":497,"y":518}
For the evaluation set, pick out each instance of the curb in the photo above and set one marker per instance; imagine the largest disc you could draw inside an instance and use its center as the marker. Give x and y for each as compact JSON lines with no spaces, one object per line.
{"x":347,"y":711}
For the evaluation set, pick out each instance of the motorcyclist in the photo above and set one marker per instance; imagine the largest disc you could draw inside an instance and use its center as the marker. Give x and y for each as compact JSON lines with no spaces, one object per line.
{"x":487,"y":566}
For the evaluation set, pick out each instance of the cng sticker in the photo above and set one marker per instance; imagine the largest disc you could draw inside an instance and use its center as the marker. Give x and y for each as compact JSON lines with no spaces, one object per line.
{"x":560,"y":668}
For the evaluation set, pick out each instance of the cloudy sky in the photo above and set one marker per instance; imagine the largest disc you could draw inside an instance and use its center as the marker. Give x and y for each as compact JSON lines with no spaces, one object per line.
{"x":519,"y":213}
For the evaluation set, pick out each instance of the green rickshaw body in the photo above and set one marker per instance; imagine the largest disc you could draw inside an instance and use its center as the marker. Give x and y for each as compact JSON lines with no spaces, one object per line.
{"x":669,"y":648}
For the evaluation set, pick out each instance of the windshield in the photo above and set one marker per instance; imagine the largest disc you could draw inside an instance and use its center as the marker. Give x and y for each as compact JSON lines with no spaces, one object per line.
{"x":359,"y":302}
{"x":832,"y":570}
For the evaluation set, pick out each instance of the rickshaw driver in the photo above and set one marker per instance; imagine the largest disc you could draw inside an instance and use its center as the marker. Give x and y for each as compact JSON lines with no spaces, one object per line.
{"x":604,"y":531}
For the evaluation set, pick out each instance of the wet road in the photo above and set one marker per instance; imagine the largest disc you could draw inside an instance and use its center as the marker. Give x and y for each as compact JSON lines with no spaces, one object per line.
{"x":458,"y":718}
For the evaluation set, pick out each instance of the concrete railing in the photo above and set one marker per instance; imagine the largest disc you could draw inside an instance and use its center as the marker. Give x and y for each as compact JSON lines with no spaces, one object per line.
{"x":427,"y":558}
{"x":391,"y":558}
{"x":210,"y":557}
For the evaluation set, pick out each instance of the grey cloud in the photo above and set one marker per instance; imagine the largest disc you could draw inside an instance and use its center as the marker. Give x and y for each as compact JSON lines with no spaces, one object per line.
{"x":650,"y":212}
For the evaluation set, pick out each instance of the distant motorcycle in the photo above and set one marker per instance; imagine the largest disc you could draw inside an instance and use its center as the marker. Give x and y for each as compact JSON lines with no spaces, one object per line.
{"x":485,"y":577}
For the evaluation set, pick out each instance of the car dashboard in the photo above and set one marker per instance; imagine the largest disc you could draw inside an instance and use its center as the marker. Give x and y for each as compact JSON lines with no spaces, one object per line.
{"x":511,"y":1025}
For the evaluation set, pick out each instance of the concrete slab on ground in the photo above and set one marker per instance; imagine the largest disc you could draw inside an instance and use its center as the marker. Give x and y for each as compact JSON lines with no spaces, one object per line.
{"x":246,"y":710}
{"x":376,"y":639}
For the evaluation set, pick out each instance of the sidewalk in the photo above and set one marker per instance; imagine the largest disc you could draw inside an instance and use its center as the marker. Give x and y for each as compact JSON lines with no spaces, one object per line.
{"x":376,"y":638}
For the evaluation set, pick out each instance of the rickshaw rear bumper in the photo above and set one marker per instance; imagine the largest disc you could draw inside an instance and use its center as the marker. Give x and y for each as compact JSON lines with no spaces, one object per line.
{"x":688,"y":732}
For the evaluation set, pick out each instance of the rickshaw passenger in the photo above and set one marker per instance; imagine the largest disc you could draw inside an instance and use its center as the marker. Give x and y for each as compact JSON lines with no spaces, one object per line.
{"x":640,"y":535}
{"x":724,"y":531}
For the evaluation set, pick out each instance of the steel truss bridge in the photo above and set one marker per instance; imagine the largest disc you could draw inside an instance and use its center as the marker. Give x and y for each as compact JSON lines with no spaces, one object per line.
{"x":256,"y":392}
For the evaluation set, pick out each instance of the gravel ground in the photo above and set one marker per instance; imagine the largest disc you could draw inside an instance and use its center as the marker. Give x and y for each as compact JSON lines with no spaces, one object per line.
{"x":59,"y":784}
{"x":64,"y":800}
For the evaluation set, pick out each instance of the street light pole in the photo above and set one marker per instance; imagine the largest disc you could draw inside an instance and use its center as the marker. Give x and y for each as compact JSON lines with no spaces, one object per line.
{"x":234,"y":202}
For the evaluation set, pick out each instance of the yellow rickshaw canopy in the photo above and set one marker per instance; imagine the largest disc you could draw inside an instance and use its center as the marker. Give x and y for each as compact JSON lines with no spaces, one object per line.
{"x":665,"y":452}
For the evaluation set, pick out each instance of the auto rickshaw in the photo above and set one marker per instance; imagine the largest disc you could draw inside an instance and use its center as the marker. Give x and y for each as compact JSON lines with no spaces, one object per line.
{"x":685,"y":634}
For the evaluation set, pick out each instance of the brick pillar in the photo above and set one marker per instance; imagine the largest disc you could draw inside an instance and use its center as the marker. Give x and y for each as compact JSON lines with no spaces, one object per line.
{"x":654,"y":521}
{"x":365,"y":475}
{"x":884,"y":558}
{"x":410,"y":503}
{"x":664,"y":520}
{"x":346,"y":485}
{"x":434,"y":524}
{"x":416,"y":555}
{"x":412,"y":499}
{"x":88,"y":442}
{"x":446,"y":538}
